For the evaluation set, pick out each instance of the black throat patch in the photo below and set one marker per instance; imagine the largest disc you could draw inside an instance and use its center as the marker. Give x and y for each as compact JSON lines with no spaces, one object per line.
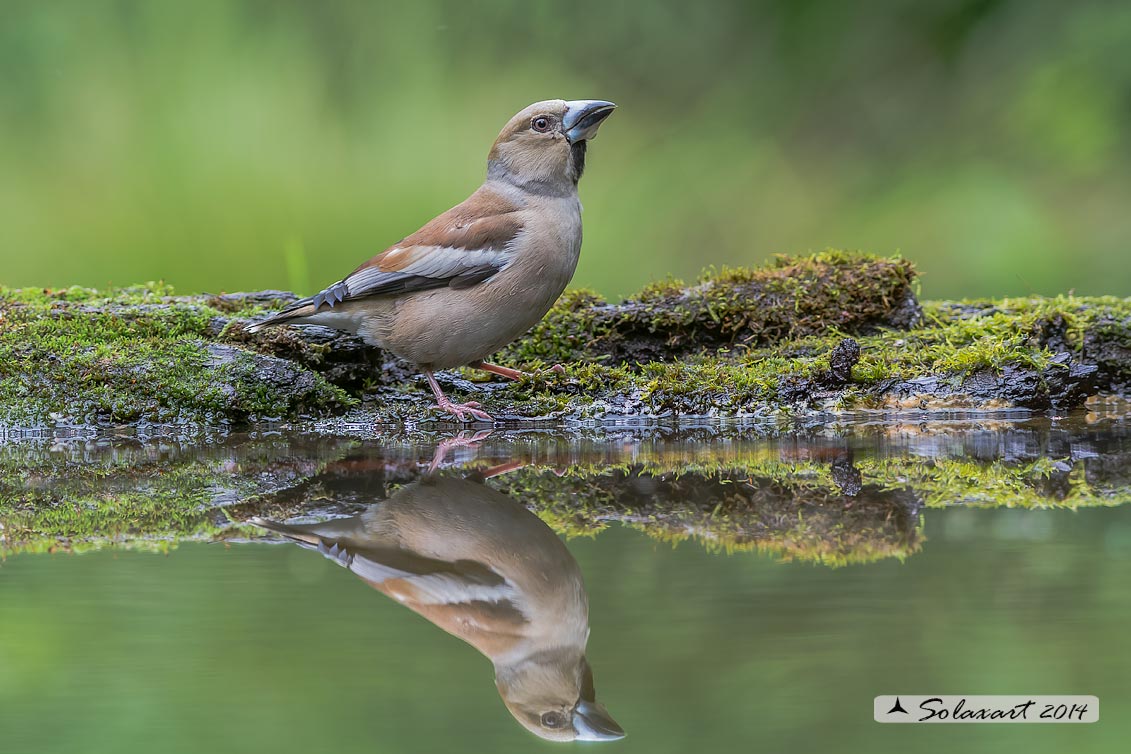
{"x":577,"y":157}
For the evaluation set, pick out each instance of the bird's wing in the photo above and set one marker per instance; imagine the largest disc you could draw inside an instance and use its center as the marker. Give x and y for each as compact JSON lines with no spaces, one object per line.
{"x":466,"y":598}
{"x":466,"y":245}
{"x":420,"y":580}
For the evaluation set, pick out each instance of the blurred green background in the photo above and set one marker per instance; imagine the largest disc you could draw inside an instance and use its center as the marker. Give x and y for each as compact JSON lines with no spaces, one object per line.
{"x":243,"y":145}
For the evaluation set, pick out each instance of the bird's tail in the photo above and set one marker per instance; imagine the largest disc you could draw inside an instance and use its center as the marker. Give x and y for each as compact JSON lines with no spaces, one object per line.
{"x":297,"y":533}
{"x":301,"y":535}
{"x":298,"y":310}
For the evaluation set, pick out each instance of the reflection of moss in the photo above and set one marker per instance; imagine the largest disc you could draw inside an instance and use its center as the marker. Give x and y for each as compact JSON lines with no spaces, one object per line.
{"x":161,"y":506}
{"x":147,"y":496}
{"x":1043,"y":483}
{"x":791,"y":516}
{"x":798,"y":498}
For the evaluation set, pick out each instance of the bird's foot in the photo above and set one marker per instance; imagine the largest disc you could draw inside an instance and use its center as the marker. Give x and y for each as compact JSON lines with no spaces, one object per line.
{"x":448,"y":444}
{"x":462,"y":410}
{"x":556,"y":369}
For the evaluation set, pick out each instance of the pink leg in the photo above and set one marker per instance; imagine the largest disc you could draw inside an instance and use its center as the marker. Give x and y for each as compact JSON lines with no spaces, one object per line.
{"x":457,"y":409}
{"x":510,"y":374}
{"x":459,"y":441}
{"x":503,"y":468}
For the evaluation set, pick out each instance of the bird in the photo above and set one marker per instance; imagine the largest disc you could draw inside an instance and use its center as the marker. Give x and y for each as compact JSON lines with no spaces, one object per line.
{"x":482,"y":567}
{"x":478,"y":276}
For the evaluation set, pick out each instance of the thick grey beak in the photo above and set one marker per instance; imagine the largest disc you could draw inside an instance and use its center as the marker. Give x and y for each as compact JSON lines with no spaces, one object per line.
{"x":592,"y":721}
{"x":583,"y":117}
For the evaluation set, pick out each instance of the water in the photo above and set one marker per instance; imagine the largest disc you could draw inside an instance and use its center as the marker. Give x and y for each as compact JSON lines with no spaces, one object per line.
{"x":743,"y":592}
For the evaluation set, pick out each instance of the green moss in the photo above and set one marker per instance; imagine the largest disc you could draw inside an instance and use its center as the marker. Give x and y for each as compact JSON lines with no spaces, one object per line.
{"x":737,"y":342}
{"x":132,"y":354}
{"x":771,"y":353}
{"x":794,"y":297}
{"x":567,"y":331}
{"x":739,"y":308}
{"x":954,"y":341}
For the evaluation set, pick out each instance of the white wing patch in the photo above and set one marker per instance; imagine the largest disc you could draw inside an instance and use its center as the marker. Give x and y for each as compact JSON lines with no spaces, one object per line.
{"x":434,"y":262}
{"x":436,"y":588}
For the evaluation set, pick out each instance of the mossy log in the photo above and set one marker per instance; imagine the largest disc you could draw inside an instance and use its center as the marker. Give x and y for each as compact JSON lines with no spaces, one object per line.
{"x":832,"y":332}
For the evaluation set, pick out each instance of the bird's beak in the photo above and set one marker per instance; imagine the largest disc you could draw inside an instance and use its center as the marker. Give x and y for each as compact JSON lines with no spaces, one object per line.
{"x":583,"y":117}
{"x":593,"y":723}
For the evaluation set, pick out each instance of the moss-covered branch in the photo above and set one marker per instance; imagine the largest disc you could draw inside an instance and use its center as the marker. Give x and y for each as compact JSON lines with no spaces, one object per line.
{"x":831,"y":332}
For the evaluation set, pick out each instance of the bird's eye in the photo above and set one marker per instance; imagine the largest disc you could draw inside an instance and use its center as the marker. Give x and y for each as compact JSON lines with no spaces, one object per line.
{"x":540,"y":124}
{"x":552,"y":720}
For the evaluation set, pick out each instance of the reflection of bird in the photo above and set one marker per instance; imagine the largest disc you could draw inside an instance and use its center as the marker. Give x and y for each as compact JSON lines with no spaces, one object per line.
{"x":480,"y":275}
{"x":484,"y":569}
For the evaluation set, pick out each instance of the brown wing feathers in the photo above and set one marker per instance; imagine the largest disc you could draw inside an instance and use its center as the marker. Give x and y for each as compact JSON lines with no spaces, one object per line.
{"x":465,"y":246}
{"x":462,"y":247}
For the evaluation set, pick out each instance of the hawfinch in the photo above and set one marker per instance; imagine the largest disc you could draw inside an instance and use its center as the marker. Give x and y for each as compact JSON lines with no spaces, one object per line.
{"x":485,"y":569}
{"x":483,"y":273}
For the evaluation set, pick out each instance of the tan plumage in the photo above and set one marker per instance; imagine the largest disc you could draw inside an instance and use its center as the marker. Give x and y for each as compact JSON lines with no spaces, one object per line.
{"x":483,"y":273}
{"x":483,"y":568}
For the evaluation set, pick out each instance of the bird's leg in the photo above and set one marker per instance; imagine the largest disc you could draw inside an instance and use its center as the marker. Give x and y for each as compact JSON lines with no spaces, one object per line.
{"x":503,"y":468}
{"x":510,"y":374}
{"x":450,"y":443}
{"x":457,"y":409}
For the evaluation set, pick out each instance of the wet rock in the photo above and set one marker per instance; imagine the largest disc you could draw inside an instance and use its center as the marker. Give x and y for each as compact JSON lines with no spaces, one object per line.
{"x":1107,"y":344}
{"x":1065,"y":383}
{"x":344,"y":360}
{"x":842,"y":359}
{"x":1070,"y":383}
{"x":237,"y":302}
{"x":237,"y":373}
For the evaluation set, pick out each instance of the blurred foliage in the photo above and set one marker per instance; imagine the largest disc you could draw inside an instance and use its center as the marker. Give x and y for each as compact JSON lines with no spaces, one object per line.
{"x":241,"y":145}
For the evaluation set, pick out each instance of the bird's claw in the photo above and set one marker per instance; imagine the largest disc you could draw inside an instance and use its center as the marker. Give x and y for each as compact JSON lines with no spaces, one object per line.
{"x":556,"y":369}
{"x":462,"y":440}
{"x":460,"y":410}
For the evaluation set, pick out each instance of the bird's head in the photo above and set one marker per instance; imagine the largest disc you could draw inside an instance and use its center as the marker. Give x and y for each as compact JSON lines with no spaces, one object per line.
{"x":542,"y":148}
{"x":553,"y":697}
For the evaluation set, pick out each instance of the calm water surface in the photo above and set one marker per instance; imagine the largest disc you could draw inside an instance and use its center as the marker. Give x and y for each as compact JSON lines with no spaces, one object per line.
{"x":434,"y":612}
